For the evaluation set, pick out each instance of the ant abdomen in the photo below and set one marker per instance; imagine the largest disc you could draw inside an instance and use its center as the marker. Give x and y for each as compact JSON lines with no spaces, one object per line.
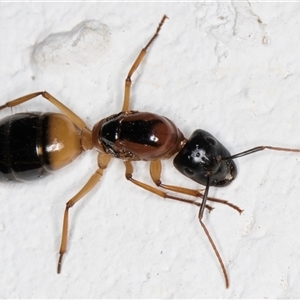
{"x":32,"y":144}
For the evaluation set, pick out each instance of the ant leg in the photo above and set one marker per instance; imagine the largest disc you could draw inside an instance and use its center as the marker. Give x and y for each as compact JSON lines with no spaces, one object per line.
{"x":128,"y":175}
{"x":65,"y":110}
{"x":155,"y":172}
{"x":103,"y":161}
{"x":136,"y":64}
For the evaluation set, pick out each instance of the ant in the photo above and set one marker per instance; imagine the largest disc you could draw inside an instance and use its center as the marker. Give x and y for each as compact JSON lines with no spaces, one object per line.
{"x":35,"y":143}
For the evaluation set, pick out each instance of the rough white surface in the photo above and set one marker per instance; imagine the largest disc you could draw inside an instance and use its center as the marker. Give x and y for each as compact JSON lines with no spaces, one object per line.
{"x":229,"y":68}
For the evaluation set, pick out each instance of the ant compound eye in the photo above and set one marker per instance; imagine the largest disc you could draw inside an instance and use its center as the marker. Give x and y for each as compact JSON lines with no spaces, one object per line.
{"x":211,"y":141}
{"x":188,"y":172}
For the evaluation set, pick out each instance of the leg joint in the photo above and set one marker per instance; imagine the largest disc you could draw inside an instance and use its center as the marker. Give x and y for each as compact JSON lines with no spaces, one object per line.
{"x":128,"y":176}
{"x":157,"y":182}
{"x":69,"y":205}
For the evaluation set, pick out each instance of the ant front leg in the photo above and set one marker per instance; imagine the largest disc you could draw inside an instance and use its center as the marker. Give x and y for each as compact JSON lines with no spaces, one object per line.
{"x":128,"y":175}
{"x":155,"y":172}
{"x":64,"y":109}
{"x":136,"y":64}
{"x":103,"y":161}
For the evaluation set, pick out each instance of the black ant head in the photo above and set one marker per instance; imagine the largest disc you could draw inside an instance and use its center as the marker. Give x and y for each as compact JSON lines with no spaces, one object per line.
{"x":202,"y":156}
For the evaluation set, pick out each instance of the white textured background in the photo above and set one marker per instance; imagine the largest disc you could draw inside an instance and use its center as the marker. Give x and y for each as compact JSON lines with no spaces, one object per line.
{"x":229,"y":68}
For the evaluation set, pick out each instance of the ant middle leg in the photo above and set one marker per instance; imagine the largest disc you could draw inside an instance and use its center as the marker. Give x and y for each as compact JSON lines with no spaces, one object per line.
{"x":155,"y":172}
{"x":136,"y":64}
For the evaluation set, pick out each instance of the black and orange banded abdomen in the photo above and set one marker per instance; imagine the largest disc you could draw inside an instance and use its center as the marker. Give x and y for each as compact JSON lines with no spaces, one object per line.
{"x":34,"y":143}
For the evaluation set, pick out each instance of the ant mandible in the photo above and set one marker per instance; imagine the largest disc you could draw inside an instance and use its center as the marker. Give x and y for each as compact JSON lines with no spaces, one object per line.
{"x":35,"y":143}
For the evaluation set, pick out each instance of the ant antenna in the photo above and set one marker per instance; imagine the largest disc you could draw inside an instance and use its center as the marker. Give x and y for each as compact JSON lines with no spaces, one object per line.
{"x":259,"y":148}
{"x":200,"y":216}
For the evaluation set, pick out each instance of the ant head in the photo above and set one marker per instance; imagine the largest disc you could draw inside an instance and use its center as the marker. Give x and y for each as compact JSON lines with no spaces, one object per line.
{"x":201,"y":156}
